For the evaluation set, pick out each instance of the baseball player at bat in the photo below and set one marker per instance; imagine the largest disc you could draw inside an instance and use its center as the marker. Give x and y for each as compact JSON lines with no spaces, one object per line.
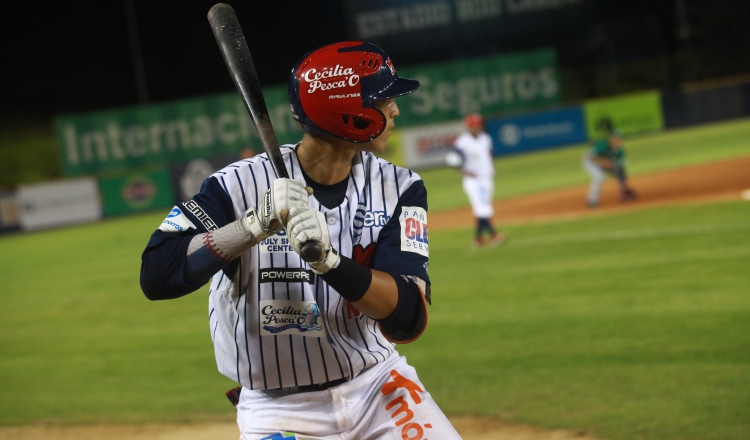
{"x":313,"y":345}
{"x":472,"y":156}
{"x":607,"y":157}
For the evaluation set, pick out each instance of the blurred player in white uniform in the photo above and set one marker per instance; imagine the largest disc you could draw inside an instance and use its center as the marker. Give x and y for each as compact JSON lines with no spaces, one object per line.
{"x":472,"y":155}
{"x":312,"y":343}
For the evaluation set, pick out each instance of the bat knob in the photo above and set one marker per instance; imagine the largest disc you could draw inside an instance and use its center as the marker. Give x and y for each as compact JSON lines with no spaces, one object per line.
{"x":311,"y":252}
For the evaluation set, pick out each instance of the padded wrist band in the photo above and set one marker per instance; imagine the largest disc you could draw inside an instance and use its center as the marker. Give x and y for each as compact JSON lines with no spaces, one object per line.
{"x":252,"y":225}
{"x":350,"y":279}
{"x":331,"y":261}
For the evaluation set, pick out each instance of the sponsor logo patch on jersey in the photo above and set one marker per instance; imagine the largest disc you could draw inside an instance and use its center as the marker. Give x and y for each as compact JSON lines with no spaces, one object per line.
{"x":276,"y":244}
{"x":283,"y":317}
{"x":272,"y":275}
{"x":280,"y":436}
{"x":176,"y":221}
{"x":375,"y":219}
{"x":198,"y":212}
{"x":413,"y":221}
{"x":403,"y":390}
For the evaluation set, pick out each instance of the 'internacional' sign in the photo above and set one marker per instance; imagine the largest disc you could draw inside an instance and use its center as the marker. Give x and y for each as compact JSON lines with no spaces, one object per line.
{"x":152,"y":135}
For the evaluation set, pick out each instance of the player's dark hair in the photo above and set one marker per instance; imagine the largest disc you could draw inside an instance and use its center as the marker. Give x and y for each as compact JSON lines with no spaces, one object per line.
{"x":606,"y":124}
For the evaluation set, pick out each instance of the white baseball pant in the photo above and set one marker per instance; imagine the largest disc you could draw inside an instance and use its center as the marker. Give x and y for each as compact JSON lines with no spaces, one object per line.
{"x":480,"y":191}
{"x":598,"y":175}
{"x":385,"y":402}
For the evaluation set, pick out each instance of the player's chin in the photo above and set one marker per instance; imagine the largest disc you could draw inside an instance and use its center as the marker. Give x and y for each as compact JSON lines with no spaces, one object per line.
{"x":377,"y":145}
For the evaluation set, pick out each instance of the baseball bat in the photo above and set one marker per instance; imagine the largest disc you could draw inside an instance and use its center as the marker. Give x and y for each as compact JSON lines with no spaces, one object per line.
{"x":236,"y":54}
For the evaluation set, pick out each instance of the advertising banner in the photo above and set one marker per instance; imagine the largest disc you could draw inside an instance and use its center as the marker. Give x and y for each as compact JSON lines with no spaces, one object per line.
{"x":135,"y":192}
{"x":60,"y":203}
{"x":187,"y":177}
{"x":10,"y":212}
{"x":636,"y":113}
{"x":394,"y":152}
{"x":426,"y":146}
{"x":453,"y":25}
{"x":704,"y":105}
{"x":490,"y":86}
{"x":537,"y":131}
{"x":151,"y":136}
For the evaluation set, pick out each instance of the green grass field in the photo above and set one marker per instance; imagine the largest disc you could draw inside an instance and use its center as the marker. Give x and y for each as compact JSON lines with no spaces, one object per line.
{"x":635,"y":325}
{"x":632,"y":326}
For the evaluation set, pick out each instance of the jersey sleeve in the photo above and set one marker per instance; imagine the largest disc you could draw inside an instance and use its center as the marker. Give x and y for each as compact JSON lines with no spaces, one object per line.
{"x":458,"y":143}
{"x":163,"y":260}
{"x":403,"y":252}
{"x":403,"y":245}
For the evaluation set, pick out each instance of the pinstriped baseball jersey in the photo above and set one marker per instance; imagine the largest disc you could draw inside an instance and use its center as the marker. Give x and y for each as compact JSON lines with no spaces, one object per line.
{"x":273,"y":322}
{"x":477,"y":152}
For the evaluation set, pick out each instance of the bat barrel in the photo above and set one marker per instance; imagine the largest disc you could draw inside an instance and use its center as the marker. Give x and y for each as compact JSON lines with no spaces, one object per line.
{"x":236,"y":54}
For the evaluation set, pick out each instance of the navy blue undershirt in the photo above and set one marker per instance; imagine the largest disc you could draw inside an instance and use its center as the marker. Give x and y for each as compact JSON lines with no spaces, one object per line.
{"x":329,"y":196}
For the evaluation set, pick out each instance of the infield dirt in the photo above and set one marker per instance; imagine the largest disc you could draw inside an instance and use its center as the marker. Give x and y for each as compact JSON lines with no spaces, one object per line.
{"x":724,"y":180}
{"x":711,"y":182}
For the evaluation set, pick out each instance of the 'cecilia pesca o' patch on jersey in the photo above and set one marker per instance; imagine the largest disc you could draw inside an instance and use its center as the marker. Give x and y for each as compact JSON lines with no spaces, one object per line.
{"x":413,"y":221}
{"x":278,"y":317}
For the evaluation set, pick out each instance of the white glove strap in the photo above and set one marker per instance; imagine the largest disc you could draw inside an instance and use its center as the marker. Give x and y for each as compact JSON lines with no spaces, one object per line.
{"x":252,"y":225}
{"x":331,"y":261}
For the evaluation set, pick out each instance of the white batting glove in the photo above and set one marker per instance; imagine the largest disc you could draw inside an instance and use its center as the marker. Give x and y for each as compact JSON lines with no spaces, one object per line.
{"x":308,"y":225}
{"x":270,"y":217}
{"x":283,"y":195}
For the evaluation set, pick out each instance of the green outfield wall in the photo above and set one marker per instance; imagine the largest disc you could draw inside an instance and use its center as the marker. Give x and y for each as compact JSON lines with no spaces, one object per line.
{"x":114,"y":141}
{"x":491,"y":85}
{"x":136,"y":192}
{"x":631,"y":114}
{"x":118,"y":140}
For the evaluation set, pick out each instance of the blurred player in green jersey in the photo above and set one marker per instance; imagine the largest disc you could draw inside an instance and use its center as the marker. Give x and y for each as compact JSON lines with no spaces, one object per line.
{"x":607,"y":156}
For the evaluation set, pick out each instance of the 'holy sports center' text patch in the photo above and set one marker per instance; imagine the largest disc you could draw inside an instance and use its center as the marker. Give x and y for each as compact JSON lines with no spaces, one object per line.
{"x":276,"y":244}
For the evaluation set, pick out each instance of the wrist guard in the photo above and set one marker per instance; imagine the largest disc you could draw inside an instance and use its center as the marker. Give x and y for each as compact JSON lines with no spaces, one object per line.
{"x":254,"y":227}
{"x":331,"y":261}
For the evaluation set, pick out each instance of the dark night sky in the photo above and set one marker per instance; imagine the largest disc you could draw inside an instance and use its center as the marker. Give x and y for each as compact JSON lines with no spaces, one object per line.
{"x":74,"y":55}
{"x":66,"y":56}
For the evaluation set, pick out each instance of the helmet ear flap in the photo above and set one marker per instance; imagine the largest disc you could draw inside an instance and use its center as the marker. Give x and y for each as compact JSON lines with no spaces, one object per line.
{"x":361,"y":126}
{"x":355,"y":122}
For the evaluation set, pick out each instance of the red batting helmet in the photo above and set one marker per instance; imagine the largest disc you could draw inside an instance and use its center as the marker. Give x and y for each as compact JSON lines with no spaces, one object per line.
{"x":333,"y":89}
{"x":473,"y":120}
